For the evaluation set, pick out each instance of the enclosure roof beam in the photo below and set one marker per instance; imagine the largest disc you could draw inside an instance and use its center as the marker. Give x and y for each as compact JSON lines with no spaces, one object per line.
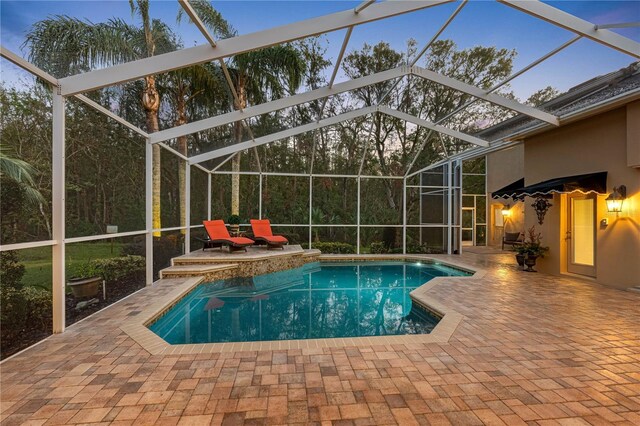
{"x":265,"y":108}
{"x":579,"y":26}
{"x":362,"y":6}
{"x":28,"y":66}
{"x":329,"y":122}
{"x":193,"y":15}
{"x":468,"y":155}
{"x":435,"y":127}
{"x":233,"y":46}
{"x":281,"y":135}
{"x":484,"y":95}
{"x":111,"y":115}
{"x":231,"y":117}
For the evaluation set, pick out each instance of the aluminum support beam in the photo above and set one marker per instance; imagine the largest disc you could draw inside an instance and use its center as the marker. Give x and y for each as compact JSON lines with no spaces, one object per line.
{"x":362,"y":6}
{"x":358,"y":219}
{"x":58,"y":209}
{"x":187,"y":207}
{"x":197,"y":21}
{"x":209,"y":195}
{"x":429,"y":125}
{"x":231,"y":117}
{"x":482,"y":94}
{"x":233,"y":46}
{"x":27,"y":66}
{"x":281,"y":135}
{"x":404,"y":216}
{"x":111,"y":115}
{"x":579,"y":26}
{"x":331,"y":121}
{"x":495,"y":87}
{"x":620,"y":25}
{"x":426,"y":47}
{"x":148,"y":195}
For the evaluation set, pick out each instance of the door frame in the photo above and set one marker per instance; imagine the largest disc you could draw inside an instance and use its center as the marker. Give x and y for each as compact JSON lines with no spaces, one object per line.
{"x":572,"y":267}
{"x":473,"y":226}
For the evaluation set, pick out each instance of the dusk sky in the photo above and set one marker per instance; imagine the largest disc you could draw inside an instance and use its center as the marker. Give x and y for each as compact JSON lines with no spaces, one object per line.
{"x":480,"y":23}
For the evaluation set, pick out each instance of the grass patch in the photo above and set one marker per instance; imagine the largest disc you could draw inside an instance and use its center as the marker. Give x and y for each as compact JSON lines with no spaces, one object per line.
{"x":37,"y":261}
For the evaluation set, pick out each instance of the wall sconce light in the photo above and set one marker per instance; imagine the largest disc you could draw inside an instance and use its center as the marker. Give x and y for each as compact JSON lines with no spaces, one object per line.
{"x":506,"y":211}
{"x":616,"y":198}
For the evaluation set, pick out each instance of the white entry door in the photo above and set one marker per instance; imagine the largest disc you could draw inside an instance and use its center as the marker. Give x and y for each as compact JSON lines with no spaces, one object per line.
{"x":581,"y":234}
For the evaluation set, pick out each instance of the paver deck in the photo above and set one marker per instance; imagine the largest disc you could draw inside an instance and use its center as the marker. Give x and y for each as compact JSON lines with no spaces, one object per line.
{"x":530,"y":349}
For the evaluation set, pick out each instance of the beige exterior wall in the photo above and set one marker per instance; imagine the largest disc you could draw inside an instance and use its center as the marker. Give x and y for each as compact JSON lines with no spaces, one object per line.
{"x":503,"y":168}
{"x":603,"y":142}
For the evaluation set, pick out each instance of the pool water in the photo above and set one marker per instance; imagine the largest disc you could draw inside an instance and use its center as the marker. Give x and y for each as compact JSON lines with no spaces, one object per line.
{"x":318,"y":300}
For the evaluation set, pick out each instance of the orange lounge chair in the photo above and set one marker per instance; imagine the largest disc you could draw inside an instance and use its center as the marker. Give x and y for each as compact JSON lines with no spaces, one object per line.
{"x":262,"y":232}
{"x":219,"y":236}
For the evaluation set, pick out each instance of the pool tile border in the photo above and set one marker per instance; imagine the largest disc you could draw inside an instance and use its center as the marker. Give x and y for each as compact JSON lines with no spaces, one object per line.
{"x":450,"y":319}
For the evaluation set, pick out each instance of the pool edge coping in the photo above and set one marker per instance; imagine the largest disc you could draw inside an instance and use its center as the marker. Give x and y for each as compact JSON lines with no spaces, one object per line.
{"x":442,"y":332}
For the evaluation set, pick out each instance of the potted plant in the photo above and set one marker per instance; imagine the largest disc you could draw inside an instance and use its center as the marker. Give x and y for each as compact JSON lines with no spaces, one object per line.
{"x":85,"y":282}
{"x":234,"y":222}
{"x":533,"y":249}
{"x":521,"y":253}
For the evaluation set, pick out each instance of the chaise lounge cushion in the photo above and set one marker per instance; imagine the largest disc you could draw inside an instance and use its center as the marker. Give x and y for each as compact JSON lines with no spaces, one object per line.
{"x":262,"y":231}
{"x":218,"y":232}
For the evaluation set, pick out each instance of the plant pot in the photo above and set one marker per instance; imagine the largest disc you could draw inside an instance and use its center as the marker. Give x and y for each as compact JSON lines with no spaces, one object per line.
{"x":520,"y":259}
{"x":530,"y":261}
{"x":85,"y":287}
{"x":234,"y":229}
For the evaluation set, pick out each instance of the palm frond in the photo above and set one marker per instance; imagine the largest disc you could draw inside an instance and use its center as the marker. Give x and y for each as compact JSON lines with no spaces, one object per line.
{"x":209,"y":16}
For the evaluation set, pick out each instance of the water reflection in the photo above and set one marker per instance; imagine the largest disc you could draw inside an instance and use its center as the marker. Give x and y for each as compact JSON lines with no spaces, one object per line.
{"x":315,"y":301}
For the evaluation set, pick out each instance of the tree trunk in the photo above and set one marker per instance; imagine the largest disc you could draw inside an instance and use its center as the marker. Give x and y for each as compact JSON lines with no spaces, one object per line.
{"x":181,"y":108}
{"x":235,"y":162}
{"x":151,"y":104}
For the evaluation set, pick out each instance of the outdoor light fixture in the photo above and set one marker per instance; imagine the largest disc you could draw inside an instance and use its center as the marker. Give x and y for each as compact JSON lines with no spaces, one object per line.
{"x":616,"y":198}
{"x":505,"y":210}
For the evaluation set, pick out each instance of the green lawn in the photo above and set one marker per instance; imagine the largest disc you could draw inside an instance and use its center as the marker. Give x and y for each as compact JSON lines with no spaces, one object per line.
{"x":37,"y":261}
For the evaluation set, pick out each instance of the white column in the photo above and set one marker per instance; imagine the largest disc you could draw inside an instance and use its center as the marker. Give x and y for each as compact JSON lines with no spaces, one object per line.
{"x":404,"y":216}
{"x":187,"y":207}
{"x":260,"y":197}
{"x":209,"y":196}
{"x":310,"y":208}
{"x":449,"y":204}
{"x":58,"y":212}
{"x":148,"y":180}
{"x":358,"y":221}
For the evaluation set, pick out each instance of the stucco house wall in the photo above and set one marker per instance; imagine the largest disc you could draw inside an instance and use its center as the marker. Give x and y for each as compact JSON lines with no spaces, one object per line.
{"x":604,"y":142}
{"x":503,"y":168}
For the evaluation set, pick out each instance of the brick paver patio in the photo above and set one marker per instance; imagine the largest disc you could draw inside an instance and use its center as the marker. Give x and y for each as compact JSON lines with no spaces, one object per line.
{"x":531,"y":349}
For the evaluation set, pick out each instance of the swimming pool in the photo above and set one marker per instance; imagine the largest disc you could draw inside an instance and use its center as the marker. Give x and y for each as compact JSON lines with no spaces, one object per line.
{"x":318,"y":300}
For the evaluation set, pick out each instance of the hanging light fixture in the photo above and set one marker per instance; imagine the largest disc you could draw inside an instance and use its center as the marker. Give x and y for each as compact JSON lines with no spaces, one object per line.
{"x":506,"y":210}
{"x":616,"y":198}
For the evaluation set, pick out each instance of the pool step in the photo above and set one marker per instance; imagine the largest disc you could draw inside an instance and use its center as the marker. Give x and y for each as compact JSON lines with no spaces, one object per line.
{"x":253,"y":254}
{"x":195,"y":269}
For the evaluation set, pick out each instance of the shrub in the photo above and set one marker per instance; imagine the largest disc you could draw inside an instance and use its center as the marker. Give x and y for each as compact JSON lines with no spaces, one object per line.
{"x":11,"y":270}
{"x":165,"y":248}
{"x":334,"y":247}
{"x":414,"y":248}
{"x":378,"y":248}
{"x":24,"y":311}
{"x":113,"y":269}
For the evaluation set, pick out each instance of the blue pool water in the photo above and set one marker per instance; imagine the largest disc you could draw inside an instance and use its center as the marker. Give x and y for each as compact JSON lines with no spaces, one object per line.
{"x":318,"y":300}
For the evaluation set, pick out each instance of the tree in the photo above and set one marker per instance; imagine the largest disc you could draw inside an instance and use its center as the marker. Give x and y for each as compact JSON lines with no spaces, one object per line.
{"x":258,"y":76}
{"x":542,"y":96}
{"x":63,"y":46}
{"x":21,"y":173}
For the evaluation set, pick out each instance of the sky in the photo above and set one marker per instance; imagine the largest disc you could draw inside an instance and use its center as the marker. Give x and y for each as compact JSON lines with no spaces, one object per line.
{"x":480,"y":23}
